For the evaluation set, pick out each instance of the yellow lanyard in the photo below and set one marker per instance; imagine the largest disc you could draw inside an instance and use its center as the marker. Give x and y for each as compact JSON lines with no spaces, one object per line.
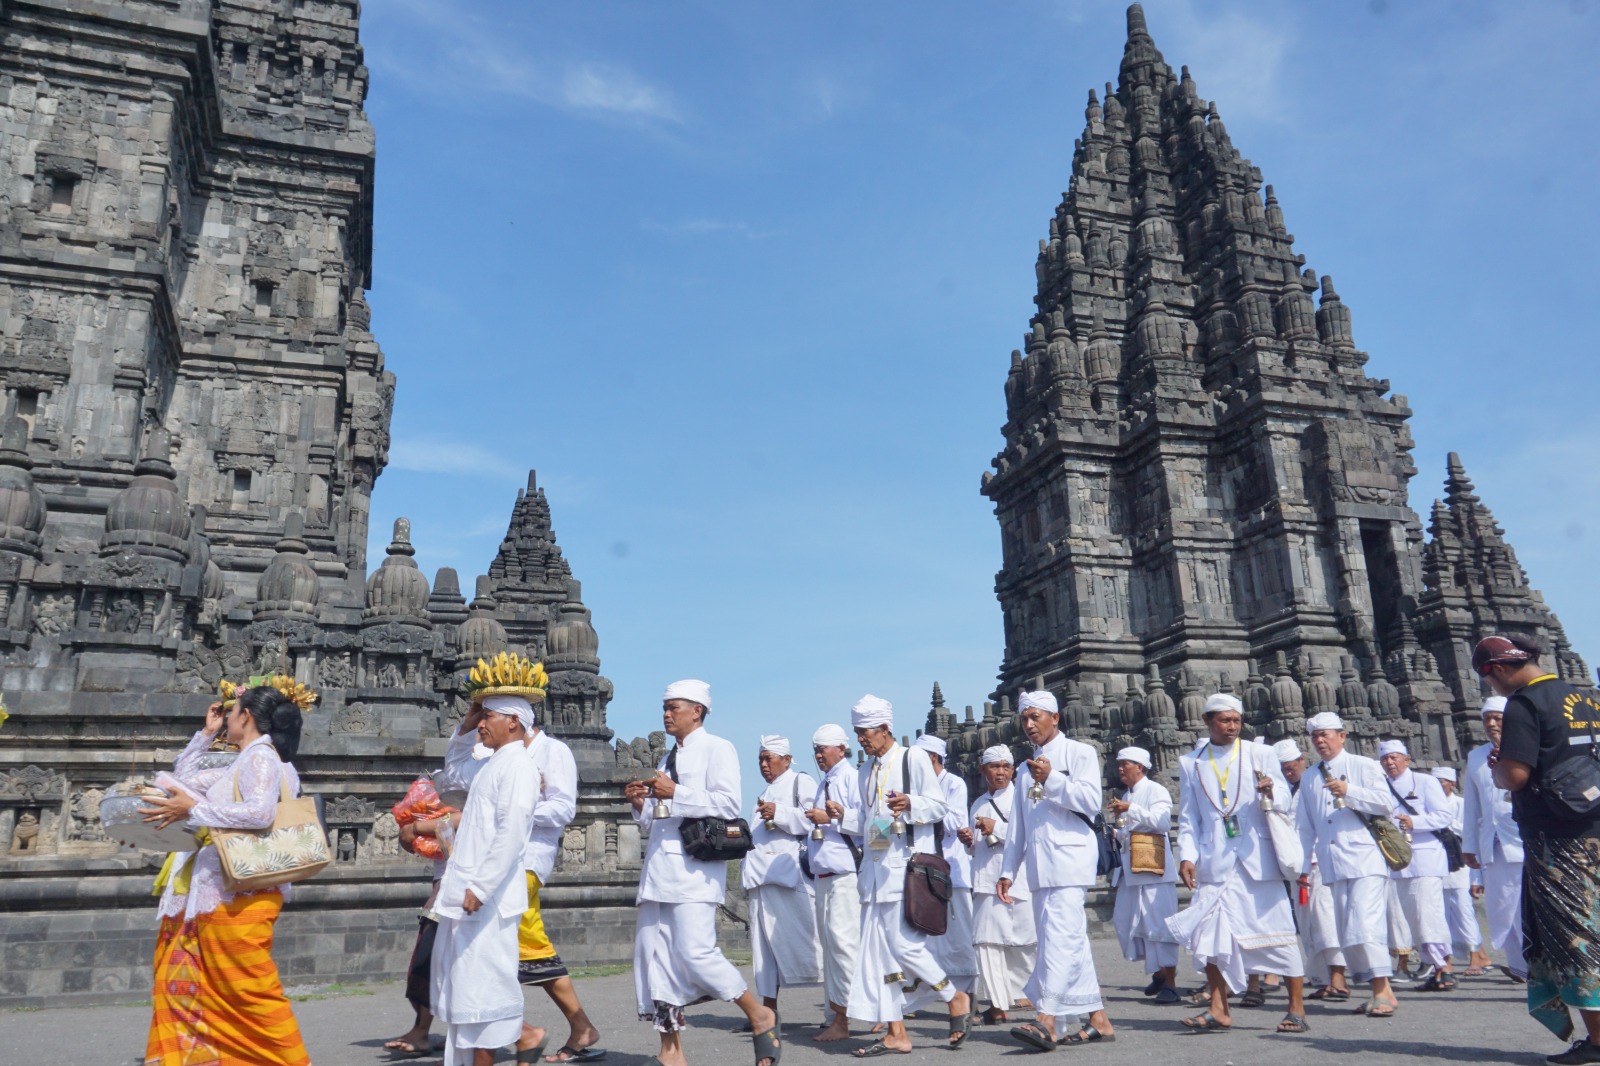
{"x":875,"y":779}
{"x":1222,"y":778}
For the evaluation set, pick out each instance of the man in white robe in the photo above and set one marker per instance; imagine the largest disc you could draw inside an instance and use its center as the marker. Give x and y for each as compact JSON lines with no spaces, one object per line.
{"x":834,"y":859}
{"x":901,"y":801}
{"x":955,"y":950}
{"x":1319,"y":932}
{"x":1419,"y":808}
{"x":1145,"y":899}
{"x":1330,"y":796}
{"x":676,"y":960}
{"x":783,"y":922}
{"x":1460,"y":912}
{"x":1492,"y":844}
{"x":1053,"y":843}
{"x":1240,"y":921}
{"x":1003,"y":932}
{"x":482,"y":896}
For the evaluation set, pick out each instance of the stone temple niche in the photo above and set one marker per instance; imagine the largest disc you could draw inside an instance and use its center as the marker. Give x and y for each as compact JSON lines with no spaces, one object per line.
{"x":1201,"y":489}
{"x":193,"y":414}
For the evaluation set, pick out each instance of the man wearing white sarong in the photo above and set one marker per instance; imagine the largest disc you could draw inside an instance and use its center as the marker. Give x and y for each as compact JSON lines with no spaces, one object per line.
{"x":482,"y":896}
{"x":901,"y":801}
{"x":1239,"y":921}
{"x":1459,"y":911}
{"x":1492,"y":844}
{"x":1145,"y":900}
{"x":1053,"y":844}
{"x":955,"y":952}
{"x":783,"y":920}
{"x":1319,"y":932}
{"x":1419,"y":808}
{"x":675,"y":955}
{"x":834,"y":858}
{"x":1347,"y":856}
{"x":1003,"y":932}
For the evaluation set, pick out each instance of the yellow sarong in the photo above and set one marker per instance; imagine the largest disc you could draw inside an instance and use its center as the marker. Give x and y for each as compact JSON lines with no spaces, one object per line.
{"x":216,"y":997}
{"x":533,"y":942}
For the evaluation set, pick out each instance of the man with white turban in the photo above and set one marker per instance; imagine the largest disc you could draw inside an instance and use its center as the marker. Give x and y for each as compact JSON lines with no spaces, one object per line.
{"x":901,"y":802}
{"x":1349,"y":860}
{"x":834,"y":860}
{"x":1319,"y":933}
{"x":955,"y":950}
{"x":1419,"y":808}
{"x":1053,"y":844}
{"x":676,"y":960}
{"x":1459,"y":910}
{"x":783,"y":922}
{"x":1003,"y":932}
{"x":1240,"y":920}
{"x":1146,"y":898}
{"x":1492,"y":844}
{"x":482,"y":897}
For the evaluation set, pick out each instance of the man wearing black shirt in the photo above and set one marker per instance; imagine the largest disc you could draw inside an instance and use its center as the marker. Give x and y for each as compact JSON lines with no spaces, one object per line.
{"x":1547,"y":723}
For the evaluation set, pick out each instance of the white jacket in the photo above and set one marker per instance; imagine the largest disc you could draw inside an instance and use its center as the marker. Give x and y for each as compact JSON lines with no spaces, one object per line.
{"x":1487,"y":812}
{"x":986,"y":861}
{"x":1428,"y":858}
{"x":487,"y":857}
{"x":708,"y":787}
{"x":831,"y":855}
{"x":1149,"y":811}
{"x":1338,"y":840}
{"x":1202,"y":833}
{"x":1056,"y":847}
{"x":555,"y":806}
{"x":775,"y":859}
{"x":883,"y":869}
{"x":955,"y":852}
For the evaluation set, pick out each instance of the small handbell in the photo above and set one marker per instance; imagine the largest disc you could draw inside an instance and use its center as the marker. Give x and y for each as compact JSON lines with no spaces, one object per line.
{"x":898,"y":826}
{"x":771,"y":825}
{"x":661,"y":809}
{"x":1266,"y":804}
{"x":1036,"y":792}
{"x":991,"y":840}
{"x":1122,"y":820}
{"x":817,"y":833}
{"x":1338,"y":803}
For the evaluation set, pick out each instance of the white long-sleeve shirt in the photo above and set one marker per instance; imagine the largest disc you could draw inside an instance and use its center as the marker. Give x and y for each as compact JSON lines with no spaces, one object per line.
{"x":831,"y":854}
{"x":1048,"y":838}
{"x":1338,"y":840}
{"x":986,"y":860}
{"x":1202,"y":811}
{"x":775,"y":859}
{"x":1433,"y":811}
{"x":883,"y":869}
{"x":707,"y":769}
{"x":1486,"y":812}
{"x":487,"y":857}
{"x":955,"y":852}
{"x":1149,"y":811}
{"x":555,"y":805}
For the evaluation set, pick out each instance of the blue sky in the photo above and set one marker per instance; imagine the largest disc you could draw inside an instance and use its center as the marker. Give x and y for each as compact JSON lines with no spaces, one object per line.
{"x":741,"y":281}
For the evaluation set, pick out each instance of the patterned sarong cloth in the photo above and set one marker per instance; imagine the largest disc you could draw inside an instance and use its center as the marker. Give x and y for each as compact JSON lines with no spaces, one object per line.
{"x":216,"y":995}
{"x":1561,"y":924}
{"x":537,"y":959}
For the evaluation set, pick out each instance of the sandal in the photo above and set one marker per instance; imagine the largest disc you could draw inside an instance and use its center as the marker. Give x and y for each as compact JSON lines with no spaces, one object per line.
{"x":1034,"y":1036}
{"x":1293,"y":1023}
{"x":1371,"y":1008}
{"x":1328,"y":992}
{"x":993,"y":1016}
{"x":1475,"y":971}
{"x":568,"y":1053}
{"x":960,"y":1026}
{"x":1205,"y":1023}
{"x":1088,"y":1035}
{"x":767,"y":1045}
{"x":875,"y":1050}
{"x":532,"y":1054}
{"x":1252,"y":999}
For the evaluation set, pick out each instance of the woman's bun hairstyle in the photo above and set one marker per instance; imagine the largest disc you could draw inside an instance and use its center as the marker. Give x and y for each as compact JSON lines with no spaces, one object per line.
{"x":277,"y":717}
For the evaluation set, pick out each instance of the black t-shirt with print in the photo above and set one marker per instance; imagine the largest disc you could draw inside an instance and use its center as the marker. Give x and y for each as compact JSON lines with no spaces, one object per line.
{"x":1548,"y":721}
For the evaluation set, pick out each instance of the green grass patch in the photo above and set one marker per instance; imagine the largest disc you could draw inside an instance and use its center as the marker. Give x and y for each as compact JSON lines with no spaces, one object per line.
{"x":333,"y":991}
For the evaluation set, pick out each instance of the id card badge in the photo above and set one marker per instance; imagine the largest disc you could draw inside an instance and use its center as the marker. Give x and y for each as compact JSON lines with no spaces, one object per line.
{"x":1230,"y":826}
{"x":878,"y":834}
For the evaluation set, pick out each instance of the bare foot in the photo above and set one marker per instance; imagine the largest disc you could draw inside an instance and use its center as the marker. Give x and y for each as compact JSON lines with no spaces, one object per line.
{"x":532,"y":1036}
{"x":577,"y":1041}
{"x":839,"y":1030}
{"x":414,"y":1042}
{"x":902,"y":1043}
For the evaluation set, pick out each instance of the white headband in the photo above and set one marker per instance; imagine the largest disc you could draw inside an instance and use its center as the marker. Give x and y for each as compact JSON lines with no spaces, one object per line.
{"x":871,"y":711}
{"x":1392,"y":747}
{"x":997,"y":754}
{"x":1045,"y":701}
{"x":1326,"y":720}
{"x":1221,"y":701}
{"x":830,"y":736}
{"x":775,"y":744}
{"x":1493,"y":705}
{"x":515,"y":706}
{"x":1444,"y":773}
{"x":1138,"y":755}
{"x":691,"y":690}
{"x":1287,"y":751}
{"x":930,"y":743}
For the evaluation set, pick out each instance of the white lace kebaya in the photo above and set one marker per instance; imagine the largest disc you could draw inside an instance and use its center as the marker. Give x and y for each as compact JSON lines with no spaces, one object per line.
{"x":259,"y":773}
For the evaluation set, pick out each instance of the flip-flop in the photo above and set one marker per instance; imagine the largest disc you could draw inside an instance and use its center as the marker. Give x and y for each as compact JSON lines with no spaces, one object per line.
{"x":1034,"y":1036}
{"x":568,"y":1053}
{"x":879,"y":1049}
{"x":1293,"y":1023}
{"x":1328,"y":992}
{"x":1474,"y":971}
{"x":1367,"y":1008}
{"x":405,"y":1049}
{"x":1087,"y":1035}
{"x":1204,"y":1023}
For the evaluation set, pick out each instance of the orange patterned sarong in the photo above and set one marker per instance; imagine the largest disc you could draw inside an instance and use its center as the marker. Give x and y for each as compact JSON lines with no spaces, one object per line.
{"x":216,"y":997}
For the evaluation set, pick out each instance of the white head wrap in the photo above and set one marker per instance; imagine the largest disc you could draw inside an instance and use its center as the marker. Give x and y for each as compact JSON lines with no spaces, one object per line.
{"x":1138,"y":755}
{"x":1045,"y":701}
{"x":1221,"y":701}
{"x":1444,"y":773}
{"x":1258,"y":739}
{"x":997,"y":754}
{"x":1326,"y":720}
{"x":1287,"y":751}
{"x":930,"y":743}
{"x":830,"y":736}
{"x":1493,"y":705}
{"x":691,"y":690}
{"x":1392,"y":747}
{"x":871,"y":711}
{"x":775,"y":744}
{"x":515,"y":706}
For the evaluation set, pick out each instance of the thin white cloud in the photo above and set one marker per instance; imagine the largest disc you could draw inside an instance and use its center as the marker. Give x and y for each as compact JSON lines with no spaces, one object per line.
{"x":1237,"y":57}
{"x":423,"y":455}
{"x":596,"y":87}
{"x":693,"y":226}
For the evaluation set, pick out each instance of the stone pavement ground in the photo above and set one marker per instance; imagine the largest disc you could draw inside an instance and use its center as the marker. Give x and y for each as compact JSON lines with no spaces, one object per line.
{"x":1483,"y":1022}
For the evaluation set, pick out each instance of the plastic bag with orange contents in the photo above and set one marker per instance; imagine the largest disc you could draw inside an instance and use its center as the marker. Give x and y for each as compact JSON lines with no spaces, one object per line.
{"x":421,"y":804}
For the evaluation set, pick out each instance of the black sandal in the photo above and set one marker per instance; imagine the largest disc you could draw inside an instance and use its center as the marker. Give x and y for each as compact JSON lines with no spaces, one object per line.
{"x":768,"y":1045}
{"x":960,"y":1026}
{"x":1033,"y":1035}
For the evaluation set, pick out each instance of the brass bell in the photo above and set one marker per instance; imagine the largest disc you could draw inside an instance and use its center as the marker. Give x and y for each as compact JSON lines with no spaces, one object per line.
{"x":898,"y":826}
{"x":817,"y":833}
{"x":661,"y":809}
{"x":1036,"y":792}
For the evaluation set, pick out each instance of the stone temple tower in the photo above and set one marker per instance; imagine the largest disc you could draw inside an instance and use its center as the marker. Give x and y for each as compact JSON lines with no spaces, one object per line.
{"x":1201,"y":488}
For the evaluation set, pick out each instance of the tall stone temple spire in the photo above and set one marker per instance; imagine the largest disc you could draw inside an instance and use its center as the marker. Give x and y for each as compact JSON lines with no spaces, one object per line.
{"x":1200,"y":484}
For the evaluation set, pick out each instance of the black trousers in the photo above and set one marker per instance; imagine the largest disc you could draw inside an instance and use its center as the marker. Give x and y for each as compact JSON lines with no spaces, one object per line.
{"x":419,"y":975}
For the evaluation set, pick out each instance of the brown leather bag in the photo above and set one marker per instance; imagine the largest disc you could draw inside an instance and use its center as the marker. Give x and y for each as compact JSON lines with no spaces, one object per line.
{"x":928,"y":884}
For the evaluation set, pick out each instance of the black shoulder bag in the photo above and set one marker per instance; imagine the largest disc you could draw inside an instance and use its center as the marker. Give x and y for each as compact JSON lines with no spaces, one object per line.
{"x":928,"y":883}
{"x":711,"y":839}
{"x":805,"y":847}
{"x":1571,"y":788}
{"x":1447,"y":836}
